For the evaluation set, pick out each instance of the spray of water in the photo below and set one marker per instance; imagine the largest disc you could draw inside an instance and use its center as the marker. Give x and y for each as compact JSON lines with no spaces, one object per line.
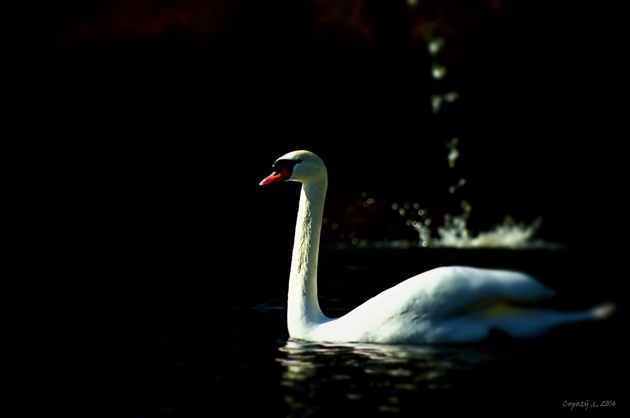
{"x":444,"y":230}
{"x":454,"y":231}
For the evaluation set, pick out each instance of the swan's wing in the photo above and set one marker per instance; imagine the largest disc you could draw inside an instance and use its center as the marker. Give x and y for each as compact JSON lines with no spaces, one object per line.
{"x":447,"y":292}
{"x":437,"y":305}
{"x":453,"y":291}
{"x":454,"y":304}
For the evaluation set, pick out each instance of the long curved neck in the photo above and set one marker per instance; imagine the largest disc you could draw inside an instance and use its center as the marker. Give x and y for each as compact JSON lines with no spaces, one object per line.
{"x":303,"y":307}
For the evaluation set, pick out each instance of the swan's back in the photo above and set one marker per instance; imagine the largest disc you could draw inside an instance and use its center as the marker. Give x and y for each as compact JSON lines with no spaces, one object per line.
{"x":445,"y":304}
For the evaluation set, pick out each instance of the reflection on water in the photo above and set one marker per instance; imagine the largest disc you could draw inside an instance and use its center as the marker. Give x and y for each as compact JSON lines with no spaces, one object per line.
{"x":320,"y":378}
{"x":370,"y":379}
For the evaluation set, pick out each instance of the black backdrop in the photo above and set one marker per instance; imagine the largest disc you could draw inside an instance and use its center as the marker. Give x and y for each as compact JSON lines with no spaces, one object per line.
{"x":145,"y":128}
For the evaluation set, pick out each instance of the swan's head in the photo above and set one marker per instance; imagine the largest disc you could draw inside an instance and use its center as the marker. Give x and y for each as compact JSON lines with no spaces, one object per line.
{"x":302,"y":166}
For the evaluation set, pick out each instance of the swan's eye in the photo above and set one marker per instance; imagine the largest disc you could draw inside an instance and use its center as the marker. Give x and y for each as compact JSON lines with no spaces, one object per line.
{"x":287,"y":165}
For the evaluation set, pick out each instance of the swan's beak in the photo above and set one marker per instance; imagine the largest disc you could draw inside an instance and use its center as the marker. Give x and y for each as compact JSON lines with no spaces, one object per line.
{"x":280,"y":175}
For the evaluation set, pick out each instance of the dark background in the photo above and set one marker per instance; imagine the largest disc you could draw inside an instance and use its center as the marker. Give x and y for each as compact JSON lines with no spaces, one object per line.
{"x":171,"y":110}
{"x":145,"y":127}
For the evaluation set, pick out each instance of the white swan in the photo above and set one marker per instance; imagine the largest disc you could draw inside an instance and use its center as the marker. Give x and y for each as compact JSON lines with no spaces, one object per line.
{"x":454,"y":304}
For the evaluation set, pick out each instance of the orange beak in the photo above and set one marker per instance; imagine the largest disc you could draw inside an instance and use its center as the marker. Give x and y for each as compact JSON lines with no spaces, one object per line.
{"x":284,"y":173}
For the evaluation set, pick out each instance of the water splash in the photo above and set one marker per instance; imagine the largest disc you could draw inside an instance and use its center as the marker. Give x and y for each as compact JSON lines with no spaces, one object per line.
{"x":441,"y":230}
{"x":454,"y":232}
{"x":433,"y":230}
{"x":509,"y":234}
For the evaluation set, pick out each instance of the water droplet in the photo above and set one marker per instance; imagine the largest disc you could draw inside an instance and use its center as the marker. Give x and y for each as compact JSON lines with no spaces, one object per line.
{"x":460,"y":183}
{"x":451,"y":96}
{"x":438,"y":71}
{"x":436,"y":103}
{"x":467,"y":207}
{"x":436,"y":45}
{"x":452,"y":156}
{"x":453,"y":153}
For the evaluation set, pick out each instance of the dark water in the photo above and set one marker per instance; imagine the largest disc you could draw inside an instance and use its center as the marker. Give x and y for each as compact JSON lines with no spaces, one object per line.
{"x":227,"y":353}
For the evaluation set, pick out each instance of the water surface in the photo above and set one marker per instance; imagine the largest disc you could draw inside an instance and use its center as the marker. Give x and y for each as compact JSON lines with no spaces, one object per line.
{"x":229,"y":354}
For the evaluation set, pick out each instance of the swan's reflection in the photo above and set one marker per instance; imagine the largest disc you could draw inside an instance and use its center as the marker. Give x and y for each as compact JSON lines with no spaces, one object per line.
{"x":387,"y":378}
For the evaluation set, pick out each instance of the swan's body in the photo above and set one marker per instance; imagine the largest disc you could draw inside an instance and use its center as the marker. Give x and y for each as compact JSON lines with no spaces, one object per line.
{"x":444,"y":305}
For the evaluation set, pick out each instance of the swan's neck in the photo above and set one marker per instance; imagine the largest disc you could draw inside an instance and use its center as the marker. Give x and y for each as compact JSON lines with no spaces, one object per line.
{"x":304,"y":312}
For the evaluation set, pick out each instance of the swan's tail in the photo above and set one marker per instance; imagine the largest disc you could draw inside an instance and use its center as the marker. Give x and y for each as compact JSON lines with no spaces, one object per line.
{"x":532,"y":322}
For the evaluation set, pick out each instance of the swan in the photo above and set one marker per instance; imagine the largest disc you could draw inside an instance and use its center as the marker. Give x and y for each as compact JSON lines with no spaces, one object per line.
{"x":451,"y":304}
